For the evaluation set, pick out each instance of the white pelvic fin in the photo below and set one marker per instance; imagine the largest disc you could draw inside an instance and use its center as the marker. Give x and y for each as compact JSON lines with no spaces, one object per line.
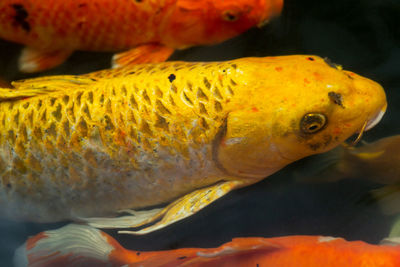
{"x":71,"y":245}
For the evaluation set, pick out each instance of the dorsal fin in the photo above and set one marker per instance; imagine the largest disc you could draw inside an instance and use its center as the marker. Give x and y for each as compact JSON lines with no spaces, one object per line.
{"x":43,"y":85}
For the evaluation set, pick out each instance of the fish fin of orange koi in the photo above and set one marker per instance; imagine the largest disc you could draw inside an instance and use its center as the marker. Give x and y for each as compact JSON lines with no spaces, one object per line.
{"x":72,"y":245}
{"x":176,"y":211}
{"x":35,"y":60}
{"x":150,"y":53}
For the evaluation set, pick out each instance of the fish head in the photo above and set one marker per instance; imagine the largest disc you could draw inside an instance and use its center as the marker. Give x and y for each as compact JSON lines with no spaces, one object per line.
{"x":287,"y":108}
{"x":194,"y":22}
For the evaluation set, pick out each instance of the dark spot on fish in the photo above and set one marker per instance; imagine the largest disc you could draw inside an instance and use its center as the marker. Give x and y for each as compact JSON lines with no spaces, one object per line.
{"x":171,"y":77}
{"x":182,"y":257}
{"x":330,"y":63}
{"x":310,"y":58}
{"x":234,"y":66}
{"x":336,"y":98}
{"x":137,"y":253}
{"x":82,"y":5}
{"x":132,"y":72}
{"x":257,"y":265}
{"x":20,"y":17}
{"x":138,"y":1}
{"x":314,"y":146}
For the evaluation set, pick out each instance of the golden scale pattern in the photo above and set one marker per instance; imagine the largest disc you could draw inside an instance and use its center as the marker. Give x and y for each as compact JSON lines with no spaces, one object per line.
{"x":72,"y":137}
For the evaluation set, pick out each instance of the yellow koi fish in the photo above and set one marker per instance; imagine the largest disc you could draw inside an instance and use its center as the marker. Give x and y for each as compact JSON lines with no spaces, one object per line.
{"x":86,"y":148}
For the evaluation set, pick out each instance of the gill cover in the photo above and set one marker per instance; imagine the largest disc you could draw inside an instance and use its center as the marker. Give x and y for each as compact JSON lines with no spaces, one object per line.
{"x":244,"y":145}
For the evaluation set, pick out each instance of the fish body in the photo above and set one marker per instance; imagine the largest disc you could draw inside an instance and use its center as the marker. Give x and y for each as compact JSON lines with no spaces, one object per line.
{"x":74,"y":147}
{"x":86,"y":246}
{"x":53,"y":29}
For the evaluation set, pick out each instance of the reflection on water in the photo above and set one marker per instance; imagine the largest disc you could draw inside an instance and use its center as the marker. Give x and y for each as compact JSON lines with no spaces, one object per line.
{"x":364,"y":37}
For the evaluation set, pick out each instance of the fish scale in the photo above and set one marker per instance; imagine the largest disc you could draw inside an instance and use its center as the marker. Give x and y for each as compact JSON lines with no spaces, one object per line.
{"x":89,"y":32}
{"x":92,"y":134}
{"x":87,"y":147}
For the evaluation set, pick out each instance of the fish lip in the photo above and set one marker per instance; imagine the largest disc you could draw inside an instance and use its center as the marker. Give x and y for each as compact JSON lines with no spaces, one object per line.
{"x":376,"y":119}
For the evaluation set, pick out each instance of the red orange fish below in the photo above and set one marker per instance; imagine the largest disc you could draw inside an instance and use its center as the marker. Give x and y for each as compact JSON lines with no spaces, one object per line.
{"x":80,"y":245}
{"x":151,"y":29}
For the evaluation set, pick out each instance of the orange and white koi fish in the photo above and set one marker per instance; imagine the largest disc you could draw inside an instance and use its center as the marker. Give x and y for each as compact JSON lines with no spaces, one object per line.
{"x":149,"y":29}
{"x":88,"y":147}
{"x":80,"y":245}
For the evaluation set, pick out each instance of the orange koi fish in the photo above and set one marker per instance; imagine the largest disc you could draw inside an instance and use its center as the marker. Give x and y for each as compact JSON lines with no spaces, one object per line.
{"x":82,"y":245}
{"x":149,"y":29}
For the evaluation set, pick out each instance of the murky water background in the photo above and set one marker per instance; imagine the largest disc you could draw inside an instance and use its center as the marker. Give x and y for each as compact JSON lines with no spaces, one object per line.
{"x":363,"y":36}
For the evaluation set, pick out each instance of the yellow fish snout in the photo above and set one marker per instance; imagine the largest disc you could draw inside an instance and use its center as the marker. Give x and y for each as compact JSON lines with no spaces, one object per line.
{"x":372,"y":99}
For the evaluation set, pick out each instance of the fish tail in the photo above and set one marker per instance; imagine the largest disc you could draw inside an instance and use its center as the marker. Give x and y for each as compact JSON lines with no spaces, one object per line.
{"x":73,"y":245}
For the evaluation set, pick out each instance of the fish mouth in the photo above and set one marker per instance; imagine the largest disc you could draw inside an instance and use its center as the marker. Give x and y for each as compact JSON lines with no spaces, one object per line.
{"x":376,"y":119}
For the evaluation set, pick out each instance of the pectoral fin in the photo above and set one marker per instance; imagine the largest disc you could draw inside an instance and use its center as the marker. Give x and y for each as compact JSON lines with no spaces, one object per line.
{"x":35,"y":60}
{"x":150,"y":53}
{"x":176,"y":211}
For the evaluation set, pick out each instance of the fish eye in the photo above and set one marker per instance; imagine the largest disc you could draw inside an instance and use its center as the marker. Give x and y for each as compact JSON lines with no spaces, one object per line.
{"x":312,"y":122}
{"x":230,"y":15}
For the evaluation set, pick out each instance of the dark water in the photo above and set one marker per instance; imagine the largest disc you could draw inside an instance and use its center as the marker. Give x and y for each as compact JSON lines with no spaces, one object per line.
{"x":363,"y":36}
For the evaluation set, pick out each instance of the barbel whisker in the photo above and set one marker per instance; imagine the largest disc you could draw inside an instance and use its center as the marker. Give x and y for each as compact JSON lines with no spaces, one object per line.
{"x":359,"y":136}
